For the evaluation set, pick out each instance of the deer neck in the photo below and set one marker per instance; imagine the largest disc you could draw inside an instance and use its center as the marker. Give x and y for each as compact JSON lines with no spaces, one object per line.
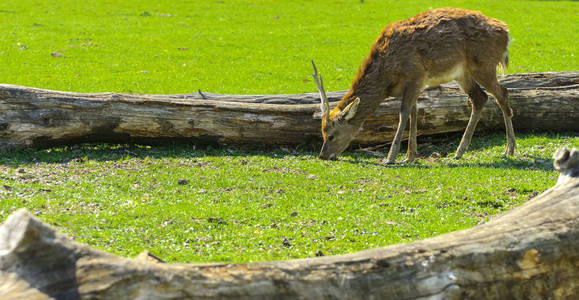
{"x":371,"y":90}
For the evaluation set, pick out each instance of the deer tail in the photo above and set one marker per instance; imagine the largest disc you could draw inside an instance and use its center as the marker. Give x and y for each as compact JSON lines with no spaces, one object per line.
{"x":505,"y":59}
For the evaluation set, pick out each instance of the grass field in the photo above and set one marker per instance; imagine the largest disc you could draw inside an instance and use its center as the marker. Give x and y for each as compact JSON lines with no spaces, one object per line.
{"x":226,"y":205}
{"x":239,"y":46}
{"x":189,"y":204}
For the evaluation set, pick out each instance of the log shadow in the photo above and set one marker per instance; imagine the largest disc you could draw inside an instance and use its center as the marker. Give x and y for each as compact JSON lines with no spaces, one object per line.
{"x":443,"y":145}
{"x":103,"y":152}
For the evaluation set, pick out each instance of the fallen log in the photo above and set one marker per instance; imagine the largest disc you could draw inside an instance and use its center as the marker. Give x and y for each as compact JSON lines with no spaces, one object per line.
{"x":528,"y":253}
{"x":36,"y":118}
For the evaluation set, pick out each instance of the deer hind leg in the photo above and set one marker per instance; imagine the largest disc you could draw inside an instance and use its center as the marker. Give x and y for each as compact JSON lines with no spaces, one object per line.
{"x":489,"y":81}
{"x":477,"y":98}
{"x":412,"y":152}
{"x":411,"y":92}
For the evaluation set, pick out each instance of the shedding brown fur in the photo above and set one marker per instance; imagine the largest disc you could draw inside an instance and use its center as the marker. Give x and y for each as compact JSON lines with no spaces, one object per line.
{"x":428,"y":49}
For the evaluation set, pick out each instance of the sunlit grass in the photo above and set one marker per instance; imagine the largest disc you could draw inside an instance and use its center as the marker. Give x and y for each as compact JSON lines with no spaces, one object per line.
{"x":186,"y":204}
{"x":239,"y":47}
{"x":228,"y":205}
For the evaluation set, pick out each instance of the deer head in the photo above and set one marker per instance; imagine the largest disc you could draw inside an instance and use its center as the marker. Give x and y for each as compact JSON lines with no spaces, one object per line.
{"x":337,"y":130}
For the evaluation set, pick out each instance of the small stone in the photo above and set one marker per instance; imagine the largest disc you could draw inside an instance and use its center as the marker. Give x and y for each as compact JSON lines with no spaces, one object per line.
{"x":533,"y":195}
{"x":286,"y":242}
{"x":216,"y":220}
{"x":312,"y":176}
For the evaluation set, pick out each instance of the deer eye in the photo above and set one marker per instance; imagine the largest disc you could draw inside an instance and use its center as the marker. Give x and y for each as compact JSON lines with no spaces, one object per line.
{"x":330,"y":138}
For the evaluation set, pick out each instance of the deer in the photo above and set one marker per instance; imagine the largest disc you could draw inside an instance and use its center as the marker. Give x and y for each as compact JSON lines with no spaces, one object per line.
{"x":429,"y":49}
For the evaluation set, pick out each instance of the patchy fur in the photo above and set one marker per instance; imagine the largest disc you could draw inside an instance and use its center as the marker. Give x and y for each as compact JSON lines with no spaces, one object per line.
{"x":430,"y":48}
{"x":431,"y":43}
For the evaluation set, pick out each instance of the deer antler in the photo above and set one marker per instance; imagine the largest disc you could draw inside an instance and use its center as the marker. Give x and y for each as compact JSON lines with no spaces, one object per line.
{"x":325,"y":105}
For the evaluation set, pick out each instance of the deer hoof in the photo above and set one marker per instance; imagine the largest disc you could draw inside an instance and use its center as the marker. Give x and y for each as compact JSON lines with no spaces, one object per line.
{"x":410,"y":157}
{"x":389,"y":162}
{"x":510,"y":151}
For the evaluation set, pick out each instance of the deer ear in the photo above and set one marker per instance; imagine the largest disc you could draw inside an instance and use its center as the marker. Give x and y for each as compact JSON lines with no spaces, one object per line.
{"x":350,"y":110}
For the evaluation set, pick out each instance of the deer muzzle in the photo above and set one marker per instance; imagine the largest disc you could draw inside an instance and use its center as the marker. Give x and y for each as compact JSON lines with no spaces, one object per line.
{"x":325,"y":155}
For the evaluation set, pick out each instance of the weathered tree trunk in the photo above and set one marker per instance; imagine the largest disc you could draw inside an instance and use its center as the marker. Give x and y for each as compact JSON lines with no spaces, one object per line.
{"x":35,"y":118}
{"x":530,"y":252}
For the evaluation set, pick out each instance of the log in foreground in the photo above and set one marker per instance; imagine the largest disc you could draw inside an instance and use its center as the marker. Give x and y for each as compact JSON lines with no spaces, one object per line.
{"x":530,"y":252}
{"x":35,"y":118}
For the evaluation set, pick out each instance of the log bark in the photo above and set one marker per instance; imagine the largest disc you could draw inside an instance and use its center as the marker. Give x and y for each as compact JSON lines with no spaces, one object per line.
{"x":36,"y":118}
{"x":530,"y":252}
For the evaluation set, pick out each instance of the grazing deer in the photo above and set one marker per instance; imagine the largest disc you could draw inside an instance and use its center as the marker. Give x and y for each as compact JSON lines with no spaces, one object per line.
{"x":429,"y":49}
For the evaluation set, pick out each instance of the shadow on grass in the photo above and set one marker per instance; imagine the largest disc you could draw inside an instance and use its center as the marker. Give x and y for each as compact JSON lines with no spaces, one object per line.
{"x":116,"y":152}
{"x":447,"y":143}
{"x":443,"y":145}
{"x":505,"y":163}
{"x":437,"y":151}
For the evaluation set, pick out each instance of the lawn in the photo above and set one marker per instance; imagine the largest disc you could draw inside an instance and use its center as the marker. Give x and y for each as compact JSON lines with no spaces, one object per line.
{"x":192,"y":204}
{"x":229,"y":205}
{"x":239,"y":46}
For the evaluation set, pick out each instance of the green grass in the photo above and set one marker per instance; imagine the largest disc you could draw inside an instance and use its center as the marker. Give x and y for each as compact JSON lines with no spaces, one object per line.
{"x":239,"y":46}
{"x":187,"y":204}
{"x":192,"y":205}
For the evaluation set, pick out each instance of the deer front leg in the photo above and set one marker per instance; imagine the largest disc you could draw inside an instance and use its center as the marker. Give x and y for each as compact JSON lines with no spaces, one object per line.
{"x":397,"y":138}
{"x":411,"y":93}
{"x":412,"y":152}
{"x":477,"y":98}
